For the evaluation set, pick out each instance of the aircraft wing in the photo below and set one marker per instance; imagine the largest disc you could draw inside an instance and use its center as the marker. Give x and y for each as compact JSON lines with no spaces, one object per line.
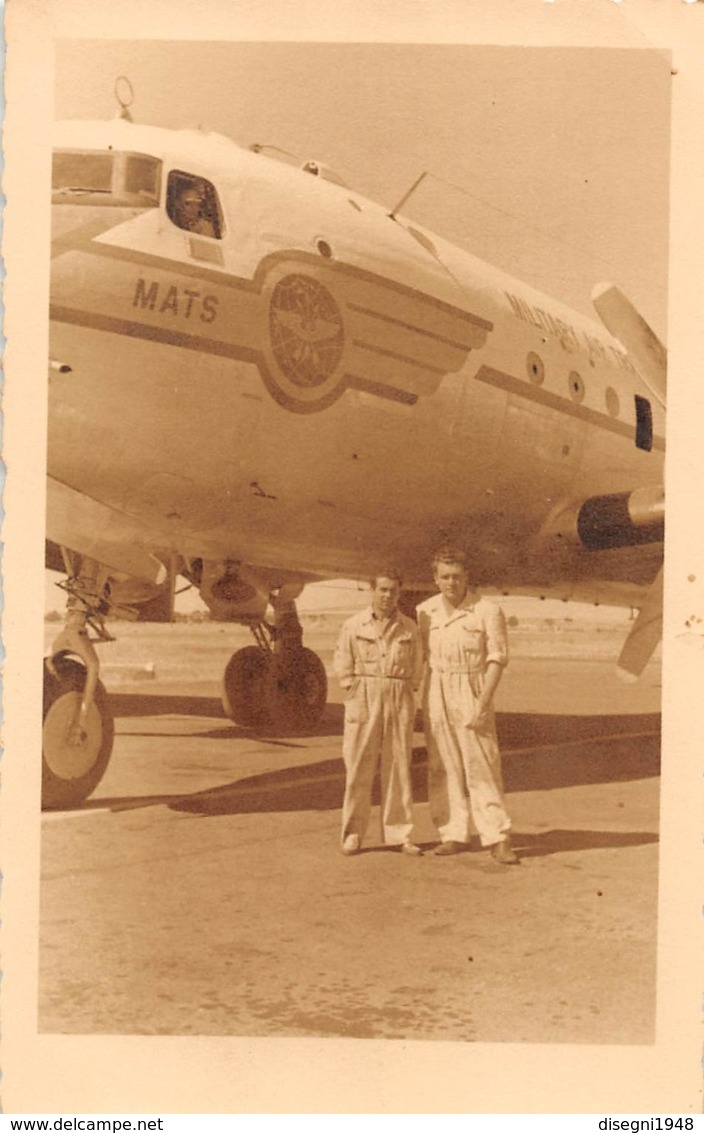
{"x":99,"y":532}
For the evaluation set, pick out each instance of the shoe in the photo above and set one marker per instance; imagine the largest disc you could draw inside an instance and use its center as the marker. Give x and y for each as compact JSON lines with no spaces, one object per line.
{"x":411,"y":849}
{"x":351,"y":845}
{"x":504,"y":854}
{"x":446,"y":848}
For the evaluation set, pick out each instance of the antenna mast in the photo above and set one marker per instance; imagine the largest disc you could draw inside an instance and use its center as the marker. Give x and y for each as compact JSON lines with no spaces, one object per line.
{"x":124,"y":94}
{"x":412,"y":189}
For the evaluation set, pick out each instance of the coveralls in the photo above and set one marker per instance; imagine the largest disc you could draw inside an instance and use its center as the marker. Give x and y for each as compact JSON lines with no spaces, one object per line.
{"x":378,"y":663}
{"x":464,"y":764}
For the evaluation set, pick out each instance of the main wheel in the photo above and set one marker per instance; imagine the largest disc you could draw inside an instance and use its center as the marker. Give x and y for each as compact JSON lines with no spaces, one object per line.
{"x":245,"y":686}
{"x":302,"y":691}
{"x":71,"y":771}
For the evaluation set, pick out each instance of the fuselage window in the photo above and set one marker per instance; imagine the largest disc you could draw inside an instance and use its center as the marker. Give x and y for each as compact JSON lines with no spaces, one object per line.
{"x":576,"y":386}
{"x":192,"y":204}
{"x":644,"y":423}
{"x":535,"y":368}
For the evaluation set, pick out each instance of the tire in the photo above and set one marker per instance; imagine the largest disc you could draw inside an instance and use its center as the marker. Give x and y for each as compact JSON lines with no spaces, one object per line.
{"x":244,"y":690}
{"x":303,"y":692}
{"x":71,"y":772}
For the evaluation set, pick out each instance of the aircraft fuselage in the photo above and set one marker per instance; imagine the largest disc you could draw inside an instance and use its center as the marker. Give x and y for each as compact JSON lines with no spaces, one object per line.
{"x":323,"y":386}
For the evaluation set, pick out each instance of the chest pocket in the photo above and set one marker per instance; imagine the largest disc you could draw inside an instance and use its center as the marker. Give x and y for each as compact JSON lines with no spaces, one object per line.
{"x":402,"y":655}
{"x":403,"y":644}
{"x":367,"y":648}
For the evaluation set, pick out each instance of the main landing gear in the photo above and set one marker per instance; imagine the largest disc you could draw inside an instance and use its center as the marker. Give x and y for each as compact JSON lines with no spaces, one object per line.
{"x":277,"y":682}
{"x":78,"y":729}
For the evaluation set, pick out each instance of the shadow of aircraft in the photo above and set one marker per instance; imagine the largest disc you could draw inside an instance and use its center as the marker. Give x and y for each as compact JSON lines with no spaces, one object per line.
{"x":157,"y":704}
{"x":135,"y":705}
{"x":569,"y":841}
{"x":609,"y":756}
{"x":515,"y":729}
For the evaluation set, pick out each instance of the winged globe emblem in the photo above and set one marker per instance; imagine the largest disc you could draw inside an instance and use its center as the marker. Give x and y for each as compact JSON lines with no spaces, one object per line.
{"x":307,"y":333}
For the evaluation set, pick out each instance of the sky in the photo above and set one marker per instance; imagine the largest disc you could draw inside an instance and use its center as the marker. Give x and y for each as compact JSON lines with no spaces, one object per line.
{"x":550,"y":162}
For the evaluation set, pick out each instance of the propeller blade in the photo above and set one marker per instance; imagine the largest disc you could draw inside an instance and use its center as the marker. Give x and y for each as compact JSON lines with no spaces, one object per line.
{"x":645,"y":634}
{"x":644,"y":348}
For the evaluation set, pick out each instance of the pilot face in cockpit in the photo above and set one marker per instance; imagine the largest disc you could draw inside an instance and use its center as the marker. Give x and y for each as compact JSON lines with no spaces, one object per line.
{"x":190,"y":209}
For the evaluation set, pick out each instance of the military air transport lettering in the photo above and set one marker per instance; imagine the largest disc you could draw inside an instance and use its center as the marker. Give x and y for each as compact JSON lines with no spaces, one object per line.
{"x":176,"y":301}
{"x":566,"y":335}
{"x":569,"y":338}
{"x":313,"y":327}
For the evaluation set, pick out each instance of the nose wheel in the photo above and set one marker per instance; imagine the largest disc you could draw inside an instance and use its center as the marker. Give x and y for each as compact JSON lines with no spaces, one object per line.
{"x":75,"y":750}
{"x":78,"y":729}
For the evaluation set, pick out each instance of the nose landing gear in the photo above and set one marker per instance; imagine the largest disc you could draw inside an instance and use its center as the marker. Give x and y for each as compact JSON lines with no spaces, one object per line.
{"x":74,"y":756}
{"x":277,"y":682}
{"x":78,"y":729}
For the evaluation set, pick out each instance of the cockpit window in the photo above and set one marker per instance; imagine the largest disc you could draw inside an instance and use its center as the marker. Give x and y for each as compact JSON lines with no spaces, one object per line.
{"x":85,"y":177}
{"x":82,"y":172}
{"x":192,"y":204}
{"x":142,"y":175}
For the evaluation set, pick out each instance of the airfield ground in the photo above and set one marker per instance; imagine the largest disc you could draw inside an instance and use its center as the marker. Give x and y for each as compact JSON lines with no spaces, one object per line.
{"x":201,"y":891}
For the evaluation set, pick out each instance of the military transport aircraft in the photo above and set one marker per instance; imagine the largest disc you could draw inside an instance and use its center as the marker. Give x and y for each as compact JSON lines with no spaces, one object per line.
{"x":259,"y":378}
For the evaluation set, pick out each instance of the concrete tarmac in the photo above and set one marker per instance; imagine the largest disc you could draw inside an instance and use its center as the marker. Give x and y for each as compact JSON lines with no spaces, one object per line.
{"x":201,"y":890}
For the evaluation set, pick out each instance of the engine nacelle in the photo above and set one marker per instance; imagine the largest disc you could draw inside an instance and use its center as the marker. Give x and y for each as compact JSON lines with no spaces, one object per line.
{"x":601,"y":523}
{"x":235,"y":592}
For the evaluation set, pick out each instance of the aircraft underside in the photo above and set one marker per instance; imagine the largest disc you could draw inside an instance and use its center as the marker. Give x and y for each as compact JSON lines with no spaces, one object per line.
{"x":274,"y":682}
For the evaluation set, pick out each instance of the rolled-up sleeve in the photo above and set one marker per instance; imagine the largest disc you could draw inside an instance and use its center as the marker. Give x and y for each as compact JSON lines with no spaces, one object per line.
{"x":496,"y":634}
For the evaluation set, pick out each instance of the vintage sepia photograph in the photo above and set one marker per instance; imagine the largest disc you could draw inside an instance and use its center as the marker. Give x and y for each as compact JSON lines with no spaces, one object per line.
{"x":268,"y":370}
{"x":353,"y":542}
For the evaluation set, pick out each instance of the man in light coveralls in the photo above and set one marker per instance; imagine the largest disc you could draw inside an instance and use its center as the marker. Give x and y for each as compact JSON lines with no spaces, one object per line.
{"x":464,"y":642}
{"x":379,"y":662}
